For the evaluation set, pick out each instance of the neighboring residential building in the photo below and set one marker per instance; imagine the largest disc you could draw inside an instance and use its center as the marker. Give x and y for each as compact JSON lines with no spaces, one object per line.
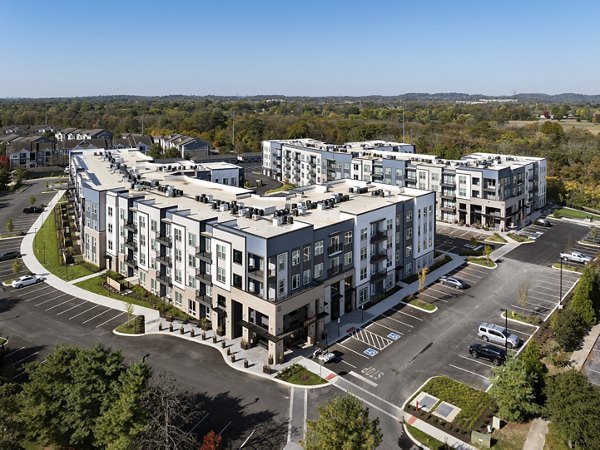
{"x":30,"y":151}
{"x":133,"y":140}
{"x":482,"y":189}
{"x":189,"y":147}
{"x":272,"y":270}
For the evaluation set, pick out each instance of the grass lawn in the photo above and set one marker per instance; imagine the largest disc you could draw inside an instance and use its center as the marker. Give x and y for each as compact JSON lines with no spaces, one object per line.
{"x":574,"y":214}
{"x":95,"y":285}
{"x":285,"y":187}
{"x":474,"y":404}
{"x":46,"y":249}
{"x":482,"y":261}
{"x":512,"y":435}
{"x":519,"y":238}
{"x":496,"y":238}
{"x":566,"y":266}
{"x":553,"y":440}
{"x":421,"y":304}
{"x":424,"y":438}
{"x":2,"y":341}
{"x":127,"y":327}
{"x":296,"y":374}
{"x":532,"y":320}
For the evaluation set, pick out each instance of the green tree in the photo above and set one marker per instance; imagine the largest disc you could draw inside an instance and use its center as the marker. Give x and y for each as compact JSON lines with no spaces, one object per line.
{"x":32,"y":200}
{"x":68,"y":394}
{"x":569,"y":329}
{"x":536,"y":370}
{"x":422,"y":278}
{"x":17,"y":265}
{"x":10,"y":225}
{"x":11,"y":430}
{"x":129,"y":310}
{"x":582,"y":301}
{"x":19,"y":175}
{"x":487,"y":251}
{"x":513,"y":391}
{"x":572,"y":405}
{"x":343,"y":424}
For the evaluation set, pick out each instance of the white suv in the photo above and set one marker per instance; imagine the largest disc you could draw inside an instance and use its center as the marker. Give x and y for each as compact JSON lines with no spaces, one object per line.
{"x":497,"y":334}
{"x":26,"y":280}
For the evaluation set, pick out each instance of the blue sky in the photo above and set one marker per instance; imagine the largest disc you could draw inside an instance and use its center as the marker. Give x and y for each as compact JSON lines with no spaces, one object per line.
{"x":290,"y":47}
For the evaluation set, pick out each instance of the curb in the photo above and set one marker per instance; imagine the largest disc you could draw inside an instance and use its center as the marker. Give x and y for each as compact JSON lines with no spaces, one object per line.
{"x":482,"y":266}
{"x":419,"y":308}
{"x":519,"y":321}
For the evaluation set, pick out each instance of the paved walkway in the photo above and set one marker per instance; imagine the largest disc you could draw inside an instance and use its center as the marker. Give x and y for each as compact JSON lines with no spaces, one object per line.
{"x":536,"y":438}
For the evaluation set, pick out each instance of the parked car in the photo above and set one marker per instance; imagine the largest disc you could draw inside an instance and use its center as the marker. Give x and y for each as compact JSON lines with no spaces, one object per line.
{"x":324,"y":356}
{"x":5,"y":256}
{"x":32,"y":209}
{"x":453,"y":282}
{"x":576,"y":257}
{"x":543,"y":222}
{"x":496,"y":355}
{"x":497,"y":334}
{"x":27,"y":280}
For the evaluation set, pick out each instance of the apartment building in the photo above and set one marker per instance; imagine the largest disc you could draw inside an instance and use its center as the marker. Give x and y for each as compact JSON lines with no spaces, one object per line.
{"x":272,"y":270}
{"x":482,"y":189}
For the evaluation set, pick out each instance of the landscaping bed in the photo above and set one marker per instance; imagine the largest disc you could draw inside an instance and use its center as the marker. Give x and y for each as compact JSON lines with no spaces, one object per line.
{"x":482,"y":261}
{"x":574,"y":214}
{"x":428,"y":441}
{"x":495,"y":237}
{"x":476,"y":407}
{"x":417,"y":303}
{"x":296,"y":374}
{"x":525,"y":318}
{"x":518,"y":238}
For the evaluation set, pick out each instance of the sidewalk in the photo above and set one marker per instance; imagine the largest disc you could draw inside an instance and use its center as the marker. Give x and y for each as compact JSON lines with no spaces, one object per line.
{"x":436,"y":433}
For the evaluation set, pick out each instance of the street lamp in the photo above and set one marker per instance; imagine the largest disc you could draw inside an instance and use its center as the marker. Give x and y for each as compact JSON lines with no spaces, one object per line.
{"x":506,"y":329}
{"x":362,"y":314}
{"x":560,"y":306}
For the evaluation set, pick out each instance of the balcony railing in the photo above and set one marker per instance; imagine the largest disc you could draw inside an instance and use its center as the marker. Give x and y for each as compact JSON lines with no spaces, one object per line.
{"x":203,"y":297}
{"x":207,"y":277}
{"x":204,"y":255}
{"x":164,"y":279}
{"x":333,"y":270}
{"x":130,"y":226}
{"x":378,"y":256}
{"x":131,"y":244}
{"x":164,"y":240}
{"x":256,"y":273}
{"x":378,"y":237}
{"x":164,"y":259}
{"x":131,"y":262}
{"x":334,"y":249}
{"x":377,"y":276}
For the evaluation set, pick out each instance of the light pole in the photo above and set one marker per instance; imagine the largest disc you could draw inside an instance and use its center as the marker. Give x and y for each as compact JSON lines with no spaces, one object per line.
{"x":560,"y":288}
{"x":506,"y":329}
{"x":362,"y":314}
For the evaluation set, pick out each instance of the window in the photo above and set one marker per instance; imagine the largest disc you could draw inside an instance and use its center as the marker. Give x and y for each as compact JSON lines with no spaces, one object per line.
{"x":318,"y":248}
{"x":318,"y":270}
{"x":281,"y":287}
{"x":363,"y":273}
{"x":362,"y":295}
{"x":110,"y":245}
{"x":348,"y":258}
{"x":389,"y":224}
{"x":178,"y":234}
{"x":348,"y":237}
{"x":409,"y":233}
{"x":306,"y":276}
{"x":153,"y":225}
{"x":110,"y":228}
{"x":178,"y":275}
{"x":191,"y":281}
{"x":191,"y":260}
{"x":221,"y":274}
{"x":192,"y":307}
{"x":281,"y":261}
{"x":142,"y":222}
{"x":110,"y":211}
{"x":142,"y":278}
{"x":397,"y":237}
{"x":295,"y":281}
{"x":363,"y":234}
{"x":220,"y":251}
{"x":142,"y":240}
{"x":143,"y":259}
{"x":178,"y":255}
{"x":237,"y":256}
{"x":307,"y":253}
{"x":363,"y":253}
{"x":192,"y":239}
{"x":409,"y":215}
{"x":408,"y":251}
{"x":178,"y":299}
{"x":295,"y":257}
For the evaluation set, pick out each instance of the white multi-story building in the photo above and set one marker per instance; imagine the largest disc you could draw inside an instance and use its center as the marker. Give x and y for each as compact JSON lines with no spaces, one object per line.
{"x":484,"y":189}
{"x":273,"y":270}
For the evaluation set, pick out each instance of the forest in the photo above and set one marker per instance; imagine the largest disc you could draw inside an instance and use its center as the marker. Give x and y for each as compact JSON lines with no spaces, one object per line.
{"x":448,"y":128}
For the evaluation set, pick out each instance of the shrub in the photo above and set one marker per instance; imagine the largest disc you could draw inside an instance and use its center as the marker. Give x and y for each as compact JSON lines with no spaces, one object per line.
{"x":569,"y":330}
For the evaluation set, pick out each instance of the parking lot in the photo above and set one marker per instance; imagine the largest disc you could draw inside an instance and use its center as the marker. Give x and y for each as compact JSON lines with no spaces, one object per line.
{"x":453,"y":239}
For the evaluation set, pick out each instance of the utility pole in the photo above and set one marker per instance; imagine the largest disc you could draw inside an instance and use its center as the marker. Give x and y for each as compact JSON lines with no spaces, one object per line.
{"x":403,"y":130}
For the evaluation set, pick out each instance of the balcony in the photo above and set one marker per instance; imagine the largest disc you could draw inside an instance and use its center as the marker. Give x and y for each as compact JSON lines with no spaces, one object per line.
{"x":164,"y":279}
{"x":164,"y":259}
{"x":206,"y":277}
{"x":448,"y":183}
{"x":336,"y":295}
{"x":131,"y":262}
{"x":378,"y":237}
{"x":164,"y":240}
{"x":380,"y":255}
{"x":130,"y":226}
{"x":448,"y":195}
{"x":448,"y":207}
{"x":334,"y":249}
{"x":378,"y":276}
{"x":204,"y":255}
{"x":203,"y":298}
{"x":490,"y":187}
{"x":131,"y":245}
{"x":256,"y":272}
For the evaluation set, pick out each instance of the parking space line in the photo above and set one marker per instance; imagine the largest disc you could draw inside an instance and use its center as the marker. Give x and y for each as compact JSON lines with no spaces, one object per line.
{"x":37,"y":296}
{"x":425,"y":294}
{"x":13,"y":352}
{"x":391,"y":329}
{"x":97,"y":315}
{"x":449,"y":294}
{"x":588,"y":369}
{"x":407,"y":314}
{"x":23,"y":359}
{"x":83,"y":312}
{"x":72,"y":307}
{"x":361,"y":378}
{"x":56,"y":306}
{"x":353,"y":351}
{"x":474,"y":373}
{"x":105,"y":322}
{"x":533,"y":311}
{"x":399,"y":321}
{"x":474,"y":360}
{"x":547,"y":308}
{"x":543,"y":299}
{"x":51,"y":299}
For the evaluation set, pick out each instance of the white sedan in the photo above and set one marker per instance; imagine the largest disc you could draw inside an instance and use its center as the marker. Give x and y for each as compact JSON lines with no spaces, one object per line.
{"x":326,"y":356}
{"x":27,"y":280}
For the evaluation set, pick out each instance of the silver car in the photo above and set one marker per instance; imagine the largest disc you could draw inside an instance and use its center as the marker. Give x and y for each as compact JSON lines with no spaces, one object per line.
{"x":497,"y":334}
{"x":453,"y":282}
